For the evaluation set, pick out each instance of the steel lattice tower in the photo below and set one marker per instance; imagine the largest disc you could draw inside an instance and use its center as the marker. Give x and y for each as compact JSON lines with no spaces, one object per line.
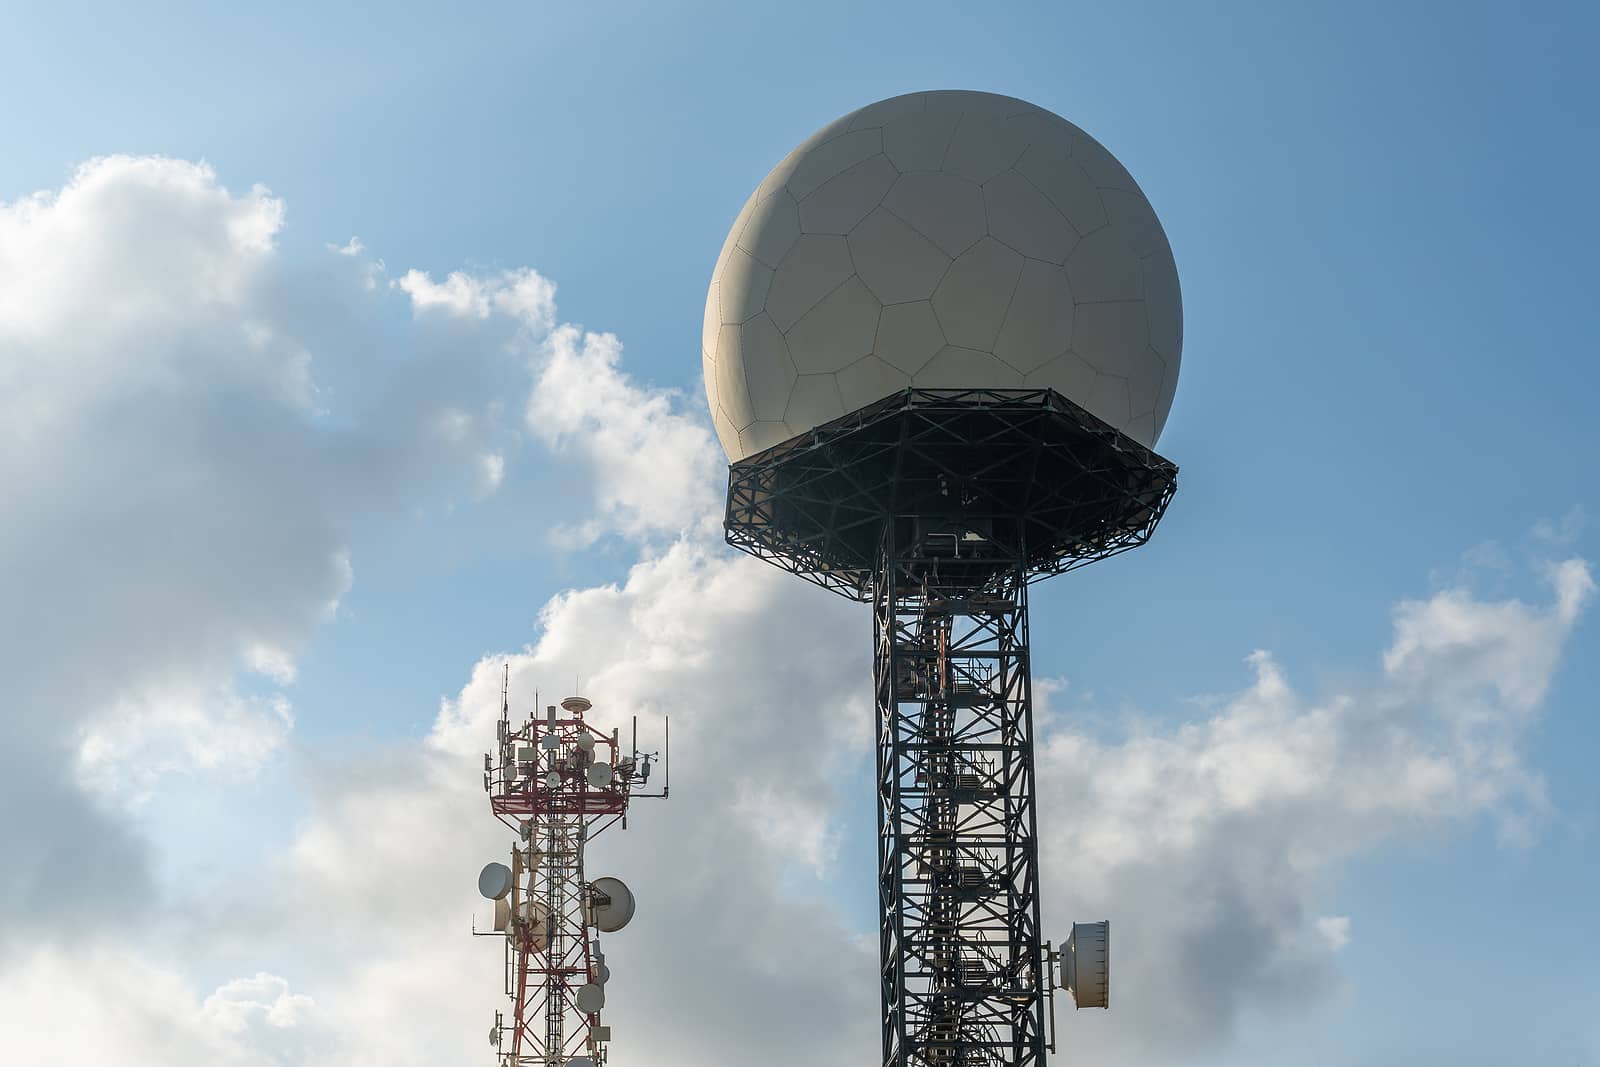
{"x":559,"y":782}
{"x":938,"y":507}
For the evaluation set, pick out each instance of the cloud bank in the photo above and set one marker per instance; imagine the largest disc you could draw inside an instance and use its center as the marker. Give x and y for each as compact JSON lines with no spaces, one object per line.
{"x":1212,"y":838}
{"x":191,"y":425}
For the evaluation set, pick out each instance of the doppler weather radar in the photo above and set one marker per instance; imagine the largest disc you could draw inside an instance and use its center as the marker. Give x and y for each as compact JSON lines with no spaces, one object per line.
{"x":941,"y":341}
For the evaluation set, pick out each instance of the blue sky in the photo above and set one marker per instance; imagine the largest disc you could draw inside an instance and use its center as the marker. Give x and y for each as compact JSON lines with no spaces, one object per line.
{"x":1383,"y":217}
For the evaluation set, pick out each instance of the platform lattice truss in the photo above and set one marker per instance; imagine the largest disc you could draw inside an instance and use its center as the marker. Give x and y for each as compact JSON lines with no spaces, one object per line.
{"x":539,"y":784}
{"x":958,"y":858}
{"x":1023,"y":468}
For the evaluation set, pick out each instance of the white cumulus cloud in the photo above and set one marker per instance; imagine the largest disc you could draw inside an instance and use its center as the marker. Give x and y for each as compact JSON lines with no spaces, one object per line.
{"x":192,"y":427}
{"x":1209,"y":840}
{"x":654,"y":471}
{"x":61,"y":1007}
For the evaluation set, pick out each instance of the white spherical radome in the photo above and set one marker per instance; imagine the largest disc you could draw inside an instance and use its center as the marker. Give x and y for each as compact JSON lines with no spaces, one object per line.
{"x":941,"y":240}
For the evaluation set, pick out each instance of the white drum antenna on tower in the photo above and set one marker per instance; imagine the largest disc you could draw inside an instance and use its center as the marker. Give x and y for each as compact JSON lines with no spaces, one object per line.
{"x":494,"y":881}
{"x":1086,"y":964}
{"x":609,"y":905}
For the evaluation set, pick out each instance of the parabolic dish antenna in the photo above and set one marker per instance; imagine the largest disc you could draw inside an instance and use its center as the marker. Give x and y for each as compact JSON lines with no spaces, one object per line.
{"x":586,"y":742}
{"x":614,"y":915}
{"x":1086,"y":964}
{"x":590,"y":998}
{"x":952,"y":239}
{"x":494,"y":881}
{"x":600,"y":775}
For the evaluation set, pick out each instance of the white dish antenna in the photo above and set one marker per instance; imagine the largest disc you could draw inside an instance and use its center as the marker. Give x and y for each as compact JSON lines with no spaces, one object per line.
{"x":586,"y":742}
{"x":614,"y":913}
{"x":602,"y":974}
{"x":502,"y":914}
{"x":552,"y":780}
{"x":1086,"y":964}
{"x":591,"y":997}
{"x":577,"y":705}
{"x":600,"y":775}
{"x":494,"y":881}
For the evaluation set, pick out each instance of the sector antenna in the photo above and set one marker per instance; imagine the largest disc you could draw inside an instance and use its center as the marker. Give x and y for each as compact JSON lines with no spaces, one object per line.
{"x":941,"y":341}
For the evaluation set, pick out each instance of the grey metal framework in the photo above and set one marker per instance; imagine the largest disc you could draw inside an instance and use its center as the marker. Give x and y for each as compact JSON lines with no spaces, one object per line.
{"x":958,"y":878}
{"x":939,"y":507}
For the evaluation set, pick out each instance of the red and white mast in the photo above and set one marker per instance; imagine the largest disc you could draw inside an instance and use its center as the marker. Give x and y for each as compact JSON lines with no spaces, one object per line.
{"x":558,"y":782}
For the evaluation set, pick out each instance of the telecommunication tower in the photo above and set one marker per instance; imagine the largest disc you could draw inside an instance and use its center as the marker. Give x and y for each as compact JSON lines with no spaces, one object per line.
{"x":558,"y":782}
{"x":941,"y":340}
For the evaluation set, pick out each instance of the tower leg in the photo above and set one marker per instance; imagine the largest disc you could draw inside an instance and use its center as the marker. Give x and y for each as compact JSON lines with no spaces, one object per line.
{"x":958,"y":879}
